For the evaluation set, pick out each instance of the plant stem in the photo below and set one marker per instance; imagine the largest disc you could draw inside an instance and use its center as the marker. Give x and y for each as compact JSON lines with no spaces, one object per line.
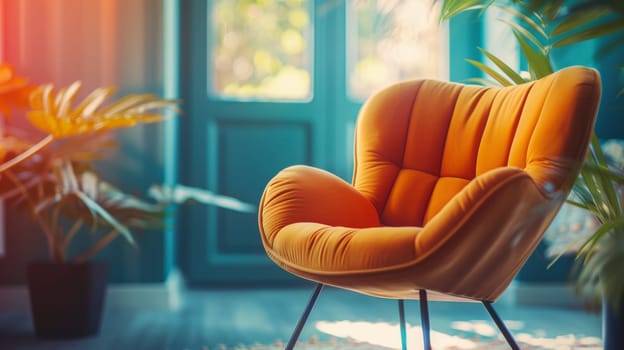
{"x":47,"y":232}
{"x":71,"y":233}
{"x":101,"y":244}
{"x":26,"y":154}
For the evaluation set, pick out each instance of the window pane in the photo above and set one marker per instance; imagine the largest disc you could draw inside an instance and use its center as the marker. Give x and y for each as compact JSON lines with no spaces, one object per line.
{"x":262,"y":49}
{"x":499,"y":39}
{"x":393,"y":40}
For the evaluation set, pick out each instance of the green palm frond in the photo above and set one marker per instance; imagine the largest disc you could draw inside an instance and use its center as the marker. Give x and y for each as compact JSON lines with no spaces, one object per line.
{"x":491,"y":72}
{"x":538,"y":60}
{"x":551,"y":9}
{"x":611,"y":175}
{"x":606,"y":228}
{"x":584,"y":201}
{"x":509,"y":72}
{"x":451,"y":8}
{"x":525,"y":33}
{"x":579,"y":19}
{"x":596,"y":192}
{"x":595,"y":150}
{"x":604,"y":178}
{"x":603,"y":29}
{"x":532,"y":19}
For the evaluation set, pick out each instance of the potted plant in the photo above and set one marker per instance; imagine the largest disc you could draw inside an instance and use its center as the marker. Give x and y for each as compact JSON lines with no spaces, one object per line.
{"x":47,"y":169}
{"x":540,"y":28}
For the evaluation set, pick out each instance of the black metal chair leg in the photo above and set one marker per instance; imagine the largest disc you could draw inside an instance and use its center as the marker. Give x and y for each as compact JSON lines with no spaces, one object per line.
{"x":304,"y":318}
{"x":402,"y":320}
{"x":501,"y":325}
{"x":424,"y":317}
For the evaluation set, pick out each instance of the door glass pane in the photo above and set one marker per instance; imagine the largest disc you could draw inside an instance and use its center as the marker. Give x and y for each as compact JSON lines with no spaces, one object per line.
{"x":499,"y":39}
{"x":261,"y":49}
{"x":393,"y":40}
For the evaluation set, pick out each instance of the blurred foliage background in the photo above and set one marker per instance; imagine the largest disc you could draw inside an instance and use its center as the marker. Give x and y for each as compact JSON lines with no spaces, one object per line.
{"x":264,"y":49}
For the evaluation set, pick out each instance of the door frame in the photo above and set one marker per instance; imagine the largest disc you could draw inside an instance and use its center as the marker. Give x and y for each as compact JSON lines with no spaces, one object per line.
{"x":330,"y":92}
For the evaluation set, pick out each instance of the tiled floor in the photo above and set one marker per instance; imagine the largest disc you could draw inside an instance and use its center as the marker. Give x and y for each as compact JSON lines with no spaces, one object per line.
{"x":208,"y":318}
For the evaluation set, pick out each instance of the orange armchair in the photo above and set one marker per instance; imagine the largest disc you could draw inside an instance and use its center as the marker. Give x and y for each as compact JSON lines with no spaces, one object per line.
{"x":453,"y":188}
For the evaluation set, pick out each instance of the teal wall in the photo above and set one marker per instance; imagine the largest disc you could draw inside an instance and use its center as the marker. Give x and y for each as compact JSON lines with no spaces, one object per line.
{"x":465,"y":34}
{"x":610,"y":122}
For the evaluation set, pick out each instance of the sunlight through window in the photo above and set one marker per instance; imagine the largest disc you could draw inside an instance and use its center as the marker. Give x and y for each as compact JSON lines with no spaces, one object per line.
{"x":261,"y":50}
{"x":393,"y":40}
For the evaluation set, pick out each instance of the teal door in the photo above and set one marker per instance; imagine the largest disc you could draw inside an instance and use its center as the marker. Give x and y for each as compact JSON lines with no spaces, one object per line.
{"x":272,"y":83}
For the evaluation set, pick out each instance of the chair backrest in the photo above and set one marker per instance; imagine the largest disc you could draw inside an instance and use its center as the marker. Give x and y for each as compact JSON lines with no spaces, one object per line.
{"x":419,"y":143}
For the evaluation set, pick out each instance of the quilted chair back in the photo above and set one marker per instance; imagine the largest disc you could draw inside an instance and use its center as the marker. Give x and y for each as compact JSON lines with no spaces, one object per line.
{"x":419,"y":143}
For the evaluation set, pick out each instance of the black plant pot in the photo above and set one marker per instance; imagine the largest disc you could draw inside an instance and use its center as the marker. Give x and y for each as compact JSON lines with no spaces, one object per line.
{"x":67,"y":298}
{"x":612,"y":327}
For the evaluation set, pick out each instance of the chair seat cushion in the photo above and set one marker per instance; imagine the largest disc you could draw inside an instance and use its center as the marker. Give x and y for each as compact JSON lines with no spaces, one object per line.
{"x":336,"y":248}
{"x":319,"y":227}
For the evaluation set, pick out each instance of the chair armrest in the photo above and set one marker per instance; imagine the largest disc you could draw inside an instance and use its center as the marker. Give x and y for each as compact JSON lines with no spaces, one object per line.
{"x":483,"y":236}
{"x":507,"y":193}
{"x":305,"y":194}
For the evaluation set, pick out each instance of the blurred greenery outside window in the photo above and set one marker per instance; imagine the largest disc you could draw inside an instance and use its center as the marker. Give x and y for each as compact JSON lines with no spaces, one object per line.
{"x":393,"y":40}
{"x":264,"y":49}
{"x":500,"y":41}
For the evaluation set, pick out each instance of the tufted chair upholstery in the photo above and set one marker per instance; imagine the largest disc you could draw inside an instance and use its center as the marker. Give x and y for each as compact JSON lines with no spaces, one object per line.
{"x":453,"y":188}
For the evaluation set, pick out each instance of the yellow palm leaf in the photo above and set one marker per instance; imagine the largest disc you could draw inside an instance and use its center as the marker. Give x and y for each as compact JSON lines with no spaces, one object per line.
{"x":126,"y":103}
{"x":36,"y":99}
{"x":94,"y":101}
{"x":42,"y":121}
{"x":47,"y":99}
{"x":13,"y":90}
{"x":108,"y":124}
{"x":52,"y":112}
{"x":65,"y":100}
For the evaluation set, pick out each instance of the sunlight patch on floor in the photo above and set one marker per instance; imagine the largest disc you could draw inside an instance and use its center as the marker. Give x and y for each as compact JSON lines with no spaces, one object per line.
{"x":475,"y":334}
{"x":388,"y":335}
{"x":564,"y":342}
{"x":477,"y":327}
